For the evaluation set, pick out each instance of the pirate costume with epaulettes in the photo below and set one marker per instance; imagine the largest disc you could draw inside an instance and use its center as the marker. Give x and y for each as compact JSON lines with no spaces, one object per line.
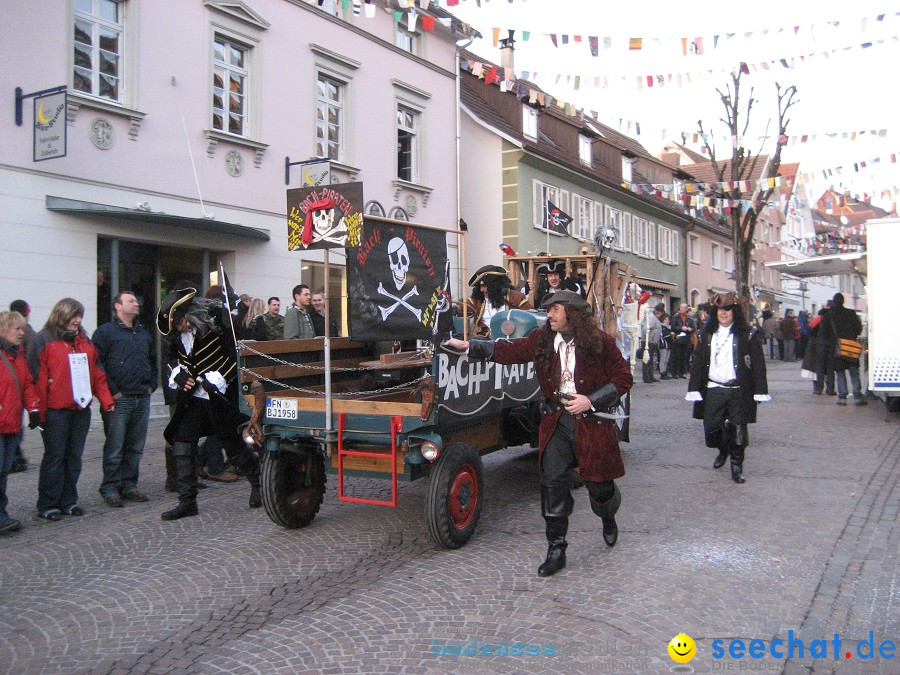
{"x":205,"y":376}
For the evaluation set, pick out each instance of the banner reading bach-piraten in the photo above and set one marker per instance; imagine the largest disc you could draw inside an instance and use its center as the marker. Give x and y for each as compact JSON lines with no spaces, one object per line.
{"x":398,"y":278}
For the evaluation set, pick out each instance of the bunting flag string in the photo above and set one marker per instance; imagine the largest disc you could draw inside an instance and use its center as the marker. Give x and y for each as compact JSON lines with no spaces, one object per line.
{"x":509,"y":83}
{"x":692,"y":46}
{"x":684,"y":78}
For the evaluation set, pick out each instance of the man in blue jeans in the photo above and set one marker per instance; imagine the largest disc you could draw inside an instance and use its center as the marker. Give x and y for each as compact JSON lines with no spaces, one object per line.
{"x":128,"y":356}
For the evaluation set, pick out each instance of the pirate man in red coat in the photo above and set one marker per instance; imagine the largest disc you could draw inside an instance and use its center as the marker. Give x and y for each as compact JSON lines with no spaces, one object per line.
{"x":581,"y":372}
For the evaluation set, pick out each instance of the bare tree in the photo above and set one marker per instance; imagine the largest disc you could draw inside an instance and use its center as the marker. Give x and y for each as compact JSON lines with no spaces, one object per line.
{"x":743,"y":165}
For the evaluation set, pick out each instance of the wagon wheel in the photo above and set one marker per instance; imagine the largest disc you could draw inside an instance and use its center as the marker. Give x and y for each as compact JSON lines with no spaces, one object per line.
{"x":453,"y":500}
{"x":293,"y":486}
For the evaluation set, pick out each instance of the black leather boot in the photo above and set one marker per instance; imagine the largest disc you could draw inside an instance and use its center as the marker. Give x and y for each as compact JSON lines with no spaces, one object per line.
{"x":556,"y":551}
{"x":255,"y":497}
{"x":726,"y":442}
{"x":556,"y":507}
{"x":171,"y":473}
{"x":737,"y":464}
{"x":183,"y":510}
{"x":607,"y":511}
{"x":246,"y":463}
{"x":185,"y":482}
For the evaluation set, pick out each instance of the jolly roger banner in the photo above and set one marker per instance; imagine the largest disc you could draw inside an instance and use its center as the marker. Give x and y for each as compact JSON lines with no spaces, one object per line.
{"x":398,"y":278}
{"x":324,"y":216}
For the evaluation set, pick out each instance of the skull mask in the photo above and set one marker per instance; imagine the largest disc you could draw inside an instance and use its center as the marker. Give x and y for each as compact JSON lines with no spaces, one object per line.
{"x":398,"y":257}
{"x":323,"y":222}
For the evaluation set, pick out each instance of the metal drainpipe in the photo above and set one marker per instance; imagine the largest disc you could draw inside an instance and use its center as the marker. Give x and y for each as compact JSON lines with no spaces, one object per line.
{"x":460,"y":45}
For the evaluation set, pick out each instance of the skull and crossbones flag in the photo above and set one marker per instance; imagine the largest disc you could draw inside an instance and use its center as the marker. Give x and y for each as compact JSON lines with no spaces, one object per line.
{"x":324,"y":216}
{"x":557,"y":220}
{"x":398,"y":281}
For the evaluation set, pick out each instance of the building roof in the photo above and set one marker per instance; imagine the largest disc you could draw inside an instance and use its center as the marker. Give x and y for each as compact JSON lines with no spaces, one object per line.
{"x":500,"y":111}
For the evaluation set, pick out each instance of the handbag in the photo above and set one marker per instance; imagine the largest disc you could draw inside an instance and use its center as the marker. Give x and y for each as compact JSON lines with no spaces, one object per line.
{"x":845,"y":349}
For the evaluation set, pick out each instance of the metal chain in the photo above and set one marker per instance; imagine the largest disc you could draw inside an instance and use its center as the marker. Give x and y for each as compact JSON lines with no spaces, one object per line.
{"x":386,"y":366}
{"x":405,"y":385}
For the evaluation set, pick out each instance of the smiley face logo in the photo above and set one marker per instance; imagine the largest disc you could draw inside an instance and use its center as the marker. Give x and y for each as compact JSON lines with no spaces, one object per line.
{"x":682,"y":648}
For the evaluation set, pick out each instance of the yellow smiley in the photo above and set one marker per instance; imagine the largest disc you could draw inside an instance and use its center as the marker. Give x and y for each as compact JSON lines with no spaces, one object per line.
{"x":682,"y":648}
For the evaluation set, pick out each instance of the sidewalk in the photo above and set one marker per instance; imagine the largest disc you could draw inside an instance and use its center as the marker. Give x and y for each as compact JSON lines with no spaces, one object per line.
{"x":806,"y":548}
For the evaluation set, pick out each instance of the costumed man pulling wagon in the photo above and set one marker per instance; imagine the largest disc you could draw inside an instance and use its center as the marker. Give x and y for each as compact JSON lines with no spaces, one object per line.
{"x":581,"y":372}
{"x":206,"y":380}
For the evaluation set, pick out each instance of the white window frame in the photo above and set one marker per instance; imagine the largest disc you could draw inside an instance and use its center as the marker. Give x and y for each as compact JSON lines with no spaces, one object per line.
{"x":584,"y":149}
{"x":627,"y":167}
{"x":340,"y":69}
{"x":98,"y":24}
{"x":615,"y":219}
{"x":406,"y":40}
{"x":584,"y":220}
{"x":668,"y":245}
{"x":230,"y":69}
{"x":626,"y":232}
{"x":693,"y":252}
{"x":405,"y":109}
{"x":324,"y":106}
{"x":541,"y":193}
{"x":727,"y":259}
{"x":714,"y":251}
{"x":639,"y":229}
{"x":529,"y":122}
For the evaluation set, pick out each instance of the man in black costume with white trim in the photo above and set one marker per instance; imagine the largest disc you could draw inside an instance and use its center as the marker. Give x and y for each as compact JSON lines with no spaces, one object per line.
{"x":727,"y":380}
{"x":206,"y":378}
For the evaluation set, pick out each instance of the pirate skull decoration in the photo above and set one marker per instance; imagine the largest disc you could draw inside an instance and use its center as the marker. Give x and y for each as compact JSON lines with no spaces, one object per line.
{"x":323,"y":222}
{"x":398,"y":257}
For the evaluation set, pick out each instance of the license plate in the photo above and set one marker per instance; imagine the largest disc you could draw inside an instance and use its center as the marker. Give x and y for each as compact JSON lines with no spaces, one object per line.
{"x":281,"y":408}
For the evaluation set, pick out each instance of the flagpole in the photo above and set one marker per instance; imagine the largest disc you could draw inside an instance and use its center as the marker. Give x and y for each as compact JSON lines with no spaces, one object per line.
{"x":547,"y":223}
{"x":327,"y":347}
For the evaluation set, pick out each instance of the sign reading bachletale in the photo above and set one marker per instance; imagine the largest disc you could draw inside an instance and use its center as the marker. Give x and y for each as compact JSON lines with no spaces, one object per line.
{"x":398,"y":280}
{"x":325,"y":216}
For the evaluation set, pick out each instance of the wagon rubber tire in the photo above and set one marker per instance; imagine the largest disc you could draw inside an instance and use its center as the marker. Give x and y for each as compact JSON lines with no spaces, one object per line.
{"x":454,"y":496}
{"x":288,"y":498}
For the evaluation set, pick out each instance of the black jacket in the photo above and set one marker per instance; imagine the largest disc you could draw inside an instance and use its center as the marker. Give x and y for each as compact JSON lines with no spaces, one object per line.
{"x":844,"y":324}
{"x":749,"y":368}
{"x":128,"y":356}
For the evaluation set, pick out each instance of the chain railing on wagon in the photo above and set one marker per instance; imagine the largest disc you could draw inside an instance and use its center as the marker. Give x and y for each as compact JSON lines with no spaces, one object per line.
{"x":369,"y":392}
{"x":384,"y":366}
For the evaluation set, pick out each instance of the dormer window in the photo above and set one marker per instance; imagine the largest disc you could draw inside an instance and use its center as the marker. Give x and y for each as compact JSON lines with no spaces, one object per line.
{"x":529,"y":122}
{"x":584,"y":149}
{"x":626,"y":169}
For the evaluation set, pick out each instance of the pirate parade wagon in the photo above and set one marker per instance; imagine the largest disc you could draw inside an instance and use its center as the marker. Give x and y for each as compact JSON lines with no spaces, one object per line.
{"x":357,"y":408}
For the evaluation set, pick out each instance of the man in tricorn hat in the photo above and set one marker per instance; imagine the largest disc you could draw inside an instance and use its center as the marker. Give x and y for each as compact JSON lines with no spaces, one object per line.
{"x":728,"y":380}
{"x":555,"y":279}
{"x":492,"y":292}
{"x":581,"y":373}
{"x":205,"y":376}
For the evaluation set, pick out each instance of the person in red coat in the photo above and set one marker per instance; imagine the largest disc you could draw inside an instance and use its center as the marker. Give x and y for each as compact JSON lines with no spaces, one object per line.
{"x":581,"y":372}
{"x":16,"y":393}
{"x":68,"y":377}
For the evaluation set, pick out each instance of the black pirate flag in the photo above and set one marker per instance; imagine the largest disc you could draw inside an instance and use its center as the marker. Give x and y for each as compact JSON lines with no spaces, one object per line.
{"x":398,"y":280}
{"x":557,"y":220}
{"x":324,"y":216}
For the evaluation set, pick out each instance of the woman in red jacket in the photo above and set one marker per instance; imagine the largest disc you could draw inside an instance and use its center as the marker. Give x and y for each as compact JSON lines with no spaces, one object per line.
{"x":68,"y":378}
{"x":16,"y":392}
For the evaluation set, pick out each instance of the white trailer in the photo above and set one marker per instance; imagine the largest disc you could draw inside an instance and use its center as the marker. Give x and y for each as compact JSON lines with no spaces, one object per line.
{"x":883,"y":239}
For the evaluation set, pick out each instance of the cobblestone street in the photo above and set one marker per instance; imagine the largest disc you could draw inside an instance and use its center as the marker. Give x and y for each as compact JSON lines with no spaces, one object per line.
{"x":808,"y":545}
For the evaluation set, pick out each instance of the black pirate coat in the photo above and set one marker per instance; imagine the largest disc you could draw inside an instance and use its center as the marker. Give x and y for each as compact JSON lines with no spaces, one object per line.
{"x":213,"y":350}
{"x":749,"y":368}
